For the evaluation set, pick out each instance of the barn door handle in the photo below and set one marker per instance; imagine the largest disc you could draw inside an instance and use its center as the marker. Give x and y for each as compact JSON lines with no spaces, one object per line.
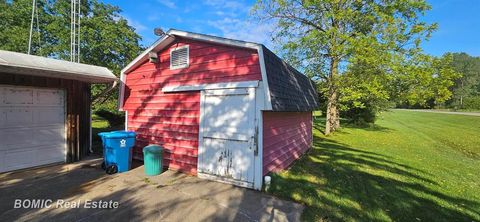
{"x":255,"y":142}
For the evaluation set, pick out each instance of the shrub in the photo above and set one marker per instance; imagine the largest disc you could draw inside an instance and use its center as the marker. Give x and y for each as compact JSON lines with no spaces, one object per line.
{"x":114,"y":118}
{"x":360,"y":116}
{"x":366,"y":114}
{"x":472,"y":103}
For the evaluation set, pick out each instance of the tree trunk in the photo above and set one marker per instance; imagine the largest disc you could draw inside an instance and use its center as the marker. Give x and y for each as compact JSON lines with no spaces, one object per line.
{"x":333,"y":119}
{"x":461,"y":97}
{"x":337,"y":117}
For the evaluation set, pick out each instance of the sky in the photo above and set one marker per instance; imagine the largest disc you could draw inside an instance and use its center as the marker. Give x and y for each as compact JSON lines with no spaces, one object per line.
{"x":458,"y":21}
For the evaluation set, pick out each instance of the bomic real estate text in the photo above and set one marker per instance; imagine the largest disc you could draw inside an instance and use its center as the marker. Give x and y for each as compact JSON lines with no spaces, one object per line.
{"x":60,"y":203}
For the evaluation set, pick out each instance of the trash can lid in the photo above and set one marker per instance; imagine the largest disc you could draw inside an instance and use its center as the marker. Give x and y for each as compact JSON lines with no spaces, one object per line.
{"x":119,"y":134}
{"x":153,"y":149}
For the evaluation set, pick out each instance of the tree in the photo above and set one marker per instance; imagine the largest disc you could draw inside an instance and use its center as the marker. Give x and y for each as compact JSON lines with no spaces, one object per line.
{"x":364,"y":91}
{"x":423,"y":81}
{"x":322,"y":35}
{"x":106,"y":38}
{"x":468,"y":85}
{"x":15,"y":25}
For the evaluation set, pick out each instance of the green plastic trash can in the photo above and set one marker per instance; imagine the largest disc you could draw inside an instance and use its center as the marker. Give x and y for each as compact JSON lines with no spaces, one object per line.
{"x":152,"y":159}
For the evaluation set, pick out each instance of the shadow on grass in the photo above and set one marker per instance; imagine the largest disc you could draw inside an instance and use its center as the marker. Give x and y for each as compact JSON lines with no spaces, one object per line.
{"x":319,"y":124}
{"x":342,"y":183}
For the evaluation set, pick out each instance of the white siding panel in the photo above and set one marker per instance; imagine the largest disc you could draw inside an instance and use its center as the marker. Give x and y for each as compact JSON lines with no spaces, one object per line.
{"x":16,"y":117}
{"x":17,"y":159}
{"x":18,"y":96}
{"x":49,"y":116}
{"x":49,"y":97}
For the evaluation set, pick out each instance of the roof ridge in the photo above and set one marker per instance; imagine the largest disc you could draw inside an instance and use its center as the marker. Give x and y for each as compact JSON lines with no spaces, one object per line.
{"x":214,"y":36}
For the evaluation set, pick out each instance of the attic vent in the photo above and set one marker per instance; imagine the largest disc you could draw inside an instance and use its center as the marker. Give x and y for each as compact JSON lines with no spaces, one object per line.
{"x":179,"y":57}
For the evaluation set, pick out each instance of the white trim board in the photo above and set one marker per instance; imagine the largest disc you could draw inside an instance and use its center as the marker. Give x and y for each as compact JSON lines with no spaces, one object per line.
{"x":263,"y":70}
{"x":226,"y":85}
{"x":121,"y":91}
{"x":201,"y":121}
{"x":258,"y":160}
{"x":214,"y":39}
{"x":126,"y":120}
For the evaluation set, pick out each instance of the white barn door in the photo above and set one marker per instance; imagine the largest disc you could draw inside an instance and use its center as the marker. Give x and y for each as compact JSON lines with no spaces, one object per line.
{"x":227,"y":141}
{"x":32,"y":127}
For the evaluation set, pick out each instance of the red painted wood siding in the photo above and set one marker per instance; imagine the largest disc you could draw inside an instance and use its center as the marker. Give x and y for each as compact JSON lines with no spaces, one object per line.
{"x":172,"y":119}
{"x":286,"y":136}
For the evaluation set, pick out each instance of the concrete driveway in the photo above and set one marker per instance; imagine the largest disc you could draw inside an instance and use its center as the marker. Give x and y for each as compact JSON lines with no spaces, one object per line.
{"x":74,"y":189}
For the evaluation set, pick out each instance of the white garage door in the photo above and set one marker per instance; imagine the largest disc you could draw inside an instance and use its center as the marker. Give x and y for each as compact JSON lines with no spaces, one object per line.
{"x":32,"y":127}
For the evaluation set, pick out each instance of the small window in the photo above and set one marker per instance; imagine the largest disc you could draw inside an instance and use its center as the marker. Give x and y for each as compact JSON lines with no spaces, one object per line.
{"x":179,"y":57}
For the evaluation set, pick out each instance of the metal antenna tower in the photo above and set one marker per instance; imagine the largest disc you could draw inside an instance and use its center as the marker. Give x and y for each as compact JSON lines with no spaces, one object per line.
{"x":34,"y":6}
{"x":75,"y":30}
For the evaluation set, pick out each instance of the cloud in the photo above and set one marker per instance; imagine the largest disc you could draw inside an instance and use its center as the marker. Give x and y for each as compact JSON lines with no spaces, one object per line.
{"x":168,"y":3}
{"x":190,"y":7}
{"x":224,"y":4}
{"x":227,"y":7}
{"x":154,"y":16}
{"x":198,"y":28}
{"x":139,"y":27}
{"x":220,"y":13}
{"x":234,"y":22}
{"x":244,"y":30}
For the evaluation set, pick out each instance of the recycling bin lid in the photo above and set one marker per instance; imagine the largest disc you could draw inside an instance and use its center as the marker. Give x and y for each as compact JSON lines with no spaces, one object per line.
{"x":152,"y":149}
{"x":103,"y":133}
{"x":119,"y":134}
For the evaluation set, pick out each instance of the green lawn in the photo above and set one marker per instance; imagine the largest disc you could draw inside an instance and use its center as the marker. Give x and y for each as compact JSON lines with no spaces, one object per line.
{"x":100,"y":125}
{"x":411,"y":166}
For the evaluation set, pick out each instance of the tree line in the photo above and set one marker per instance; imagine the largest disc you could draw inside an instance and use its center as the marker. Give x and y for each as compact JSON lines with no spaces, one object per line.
{"x":466,"y":90}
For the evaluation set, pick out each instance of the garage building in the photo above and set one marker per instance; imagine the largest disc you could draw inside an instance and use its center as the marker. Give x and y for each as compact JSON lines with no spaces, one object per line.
{"x":45,"y":114}
{"x":223,"y":109}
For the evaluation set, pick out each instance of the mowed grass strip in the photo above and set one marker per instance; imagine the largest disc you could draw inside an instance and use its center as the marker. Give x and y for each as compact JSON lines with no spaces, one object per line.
{"x":410,"y":166}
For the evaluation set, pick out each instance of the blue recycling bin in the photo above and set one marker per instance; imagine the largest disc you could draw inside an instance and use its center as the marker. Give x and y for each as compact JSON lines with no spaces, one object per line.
{"x":117,"y":150}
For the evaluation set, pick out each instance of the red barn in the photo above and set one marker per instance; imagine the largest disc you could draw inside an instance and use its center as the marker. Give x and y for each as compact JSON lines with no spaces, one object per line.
{"x":223,"y":109}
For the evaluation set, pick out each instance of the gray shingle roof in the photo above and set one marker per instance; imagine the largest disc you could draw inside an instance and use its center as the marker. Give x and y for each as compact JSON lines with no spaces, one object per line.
{"x":290,"y":90}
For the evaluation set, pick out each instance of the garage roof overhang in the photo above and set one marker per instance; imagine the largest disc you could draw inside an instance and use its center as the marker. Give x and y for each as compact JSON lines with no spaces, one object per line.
{"x":19,"y":63}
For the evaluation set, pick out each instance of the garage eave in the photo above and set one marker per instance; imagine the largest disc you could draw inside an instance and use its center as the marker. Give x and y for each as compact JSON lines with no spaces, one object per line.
{"x":19,"y":63}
